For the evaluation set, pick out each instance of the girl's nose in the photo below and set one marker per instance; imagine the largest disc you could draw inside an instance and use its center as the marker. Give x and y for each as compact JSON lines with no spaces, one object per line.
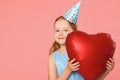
{"x":60,"y":33}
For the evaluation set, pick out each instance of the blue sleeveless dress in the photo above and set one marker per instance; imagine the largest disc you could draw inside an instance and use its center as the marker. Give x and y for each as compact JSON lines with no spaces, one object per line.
{"x":61,"y":64}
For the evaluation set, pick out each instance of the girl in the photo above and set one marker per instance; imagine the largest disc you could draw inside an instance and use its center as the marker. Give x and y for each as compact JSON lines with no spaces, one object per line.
{"x":60,"y":67}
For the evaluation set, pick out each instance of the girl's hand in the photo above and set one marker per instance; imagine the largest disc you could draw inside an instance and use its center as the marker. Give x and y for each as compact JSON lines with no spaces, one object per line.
{"x":71,"y":66}
{"x":110,"y":64}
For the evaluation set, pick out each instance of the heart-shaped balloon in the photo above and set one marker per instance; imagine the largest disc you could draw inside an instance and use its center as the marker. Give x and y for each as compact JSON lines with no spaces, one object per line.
{"x":92,"y":51}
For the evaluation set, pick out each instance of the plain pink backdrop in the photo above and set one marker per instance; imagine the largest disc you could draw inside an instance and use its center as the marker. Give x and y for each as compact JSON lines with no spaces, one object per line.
{"x":26,"y":33}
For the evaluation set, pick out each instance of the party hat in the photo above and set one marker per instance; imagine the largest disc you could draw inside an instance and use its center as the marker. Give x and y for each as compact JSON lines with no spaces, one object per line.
{"x":72,"y":14}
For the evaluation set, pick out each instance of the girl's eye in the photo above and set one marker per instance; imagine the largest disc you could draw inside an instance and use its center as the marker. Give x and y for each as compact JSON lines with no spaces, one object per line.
{"x":57,"y":30}
{"x":65,"y":30}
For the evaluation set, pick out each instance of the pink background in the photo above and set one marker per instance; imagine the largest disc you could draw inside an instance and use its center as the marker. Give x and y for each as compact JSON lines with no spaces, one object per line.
{"x":26,"y":33}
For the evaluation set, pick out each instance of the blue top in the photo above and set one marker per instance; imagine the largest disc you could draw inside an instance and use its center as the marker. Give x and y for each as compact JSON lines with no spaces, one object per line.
{"x":61,"y":63}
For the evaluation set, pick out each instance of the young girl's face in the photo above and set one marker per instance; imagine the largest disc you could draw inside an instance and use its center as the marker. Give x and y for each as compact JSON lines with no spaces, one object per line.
{"x":62,"y":29}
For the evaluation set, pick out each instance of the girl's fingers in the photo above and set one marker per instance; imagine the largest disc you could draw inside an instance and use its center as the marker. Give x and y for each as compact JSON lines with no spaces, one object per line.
{"x":68,"y":59}
{"x":108,"y":62}
{"x":75,"y":69}
{"x":72,"y":61}
{"x":74,"y":64}
{"x":111,"y":59}
{"x":108,"y":65}
{"x":77,"y":66}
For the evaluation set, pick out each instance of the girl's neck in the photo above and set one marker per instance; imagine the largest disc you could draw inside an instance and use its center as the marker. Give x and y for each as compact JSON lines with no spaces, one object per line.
{"x":62,"y":49}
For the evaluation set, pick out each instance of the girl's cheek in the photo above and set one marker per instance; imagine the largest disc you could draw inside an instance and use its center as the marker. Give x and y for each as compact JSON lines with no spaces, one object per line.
{"x":69,"y":32}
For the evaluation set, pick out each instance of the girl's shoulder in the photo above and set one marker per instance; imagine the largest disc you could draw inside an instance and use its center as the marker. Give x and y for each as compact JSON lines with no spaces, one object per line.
{"x":55,"y":53}
{"x":52,"y":55}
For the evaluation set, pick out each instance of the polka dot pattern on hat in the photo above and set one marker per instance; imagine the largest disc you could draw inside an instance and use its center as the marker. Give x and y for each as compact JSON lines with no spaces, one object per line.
{"x":72,"y":14}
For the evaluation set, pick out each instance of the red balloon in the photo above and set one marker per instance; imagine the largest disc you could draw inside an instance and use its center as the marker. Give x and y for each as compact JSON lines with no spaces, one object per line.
{"x":92,"y":51}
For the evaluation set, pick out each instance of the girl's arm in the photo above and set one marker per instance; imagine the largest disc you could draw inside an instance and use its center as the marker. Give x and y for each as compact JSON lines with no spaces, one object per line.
{"x":110,"y":65}
{"x":52,"y":73}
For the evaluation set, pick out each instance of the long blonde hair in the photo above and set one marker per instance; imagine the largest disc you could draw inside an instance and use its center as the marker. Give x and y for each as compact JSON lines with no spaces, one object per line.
{"x":55,"y":45}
